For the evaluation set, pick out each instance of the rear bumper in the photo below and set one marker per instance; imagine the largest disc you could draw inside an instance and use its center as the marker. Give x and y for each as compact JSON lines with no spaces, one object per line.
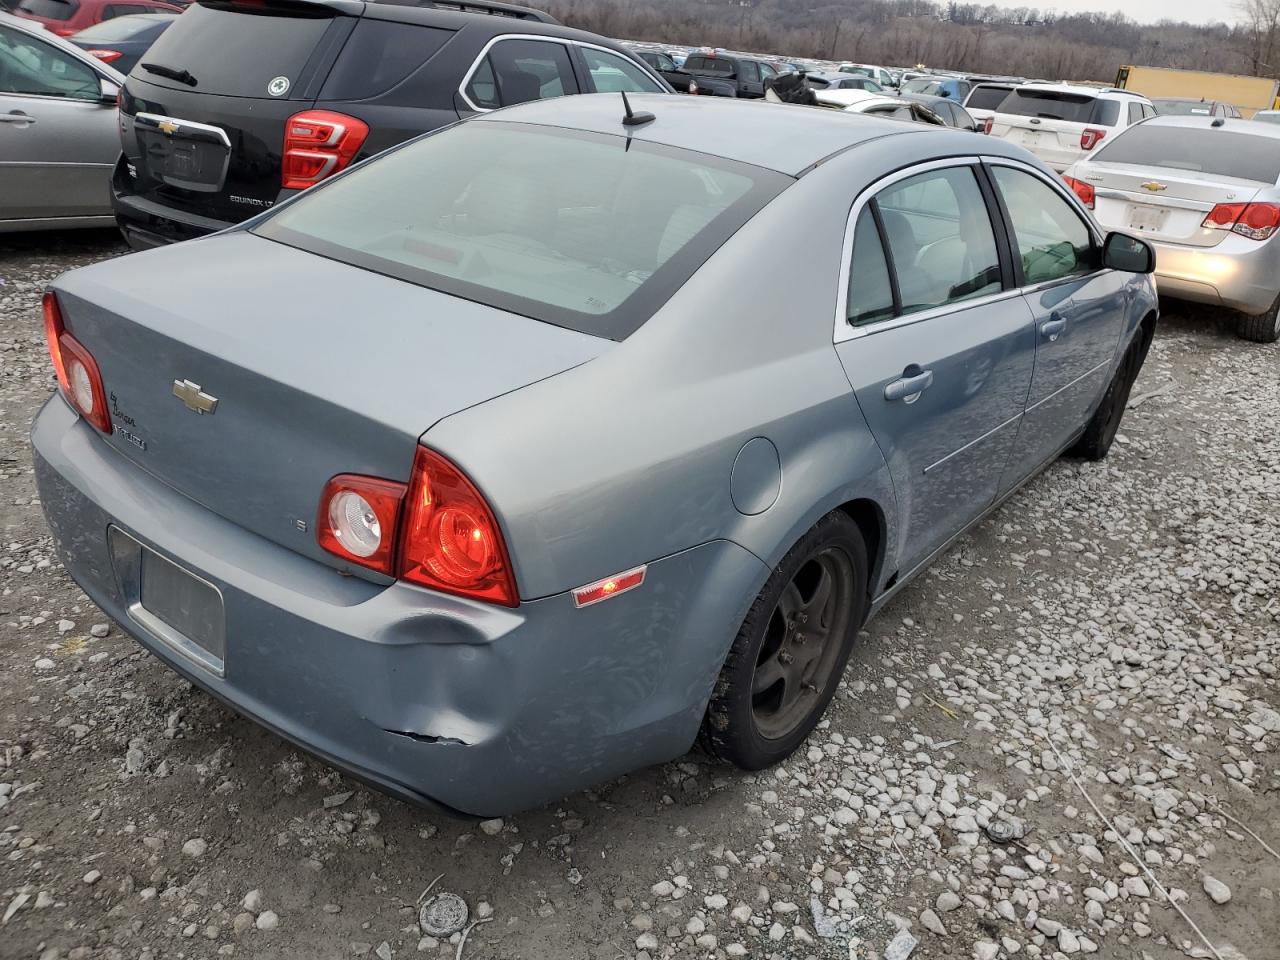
{"x":1238,"y":273}
{"x":146,"y":223}
{"x":466,"y":706}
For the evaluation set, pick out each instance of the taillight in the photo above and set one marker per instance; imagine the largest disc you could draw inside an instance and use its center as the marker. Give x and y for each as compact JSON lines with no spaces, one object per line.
{"x":75,"y":367}
{"x":64,"y":31}
{"x":106,"y":56}
{"x":693,"y":87}
{"x":988,"y":124}
{"x":1257,"y":221}
{"x":317,"y":144}
{"x":358,"y":520}
{"x":1091,"y":137}
{"x":1082,"y":190}
{"x":450,"y":539}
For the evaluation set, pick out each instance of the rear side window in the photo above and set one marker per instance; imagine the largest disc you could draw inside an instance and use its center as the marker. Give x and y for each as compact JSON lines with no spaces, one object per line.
{"x":238,"y":50}
{"x":1222,"y":153}
{"x":586,"y":231}
{"x":870,"y":291}
{"x":50,"y":9}
{"x":611,"y":73}
{"x":1057,"y":105}
{"x":517,"y":71}
{"x":986,"y":98}
{"x":378,"y":55}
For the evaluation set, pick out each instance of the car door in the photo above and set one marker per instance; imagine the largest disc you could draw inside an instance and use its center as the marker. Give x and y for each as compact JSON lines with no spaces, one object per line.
{"x":58,"y":138}
{"x":518,"y":70}
{"x":749,"y":83}
{"x":1078,"y":309}
{"x":937,"y":344}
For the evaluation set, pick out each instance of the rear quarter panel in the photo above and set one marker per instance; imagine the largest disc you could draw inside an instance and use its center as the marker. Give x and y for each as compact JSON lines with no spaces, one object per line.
{"x":627,"y":458}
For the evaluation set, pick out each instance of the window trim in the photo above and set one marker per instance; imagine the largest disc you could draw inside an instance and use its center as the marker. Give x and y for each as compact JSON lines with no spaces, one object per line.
{"x":843,"y":330}
{"x":561,"y":41}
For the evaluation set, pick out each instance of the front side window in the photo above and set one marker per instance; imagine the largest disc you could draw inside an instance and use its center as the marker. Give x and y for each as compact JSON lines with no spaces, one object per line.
{"x":611,"y":73}
{"x":940,"y":238}
{"x":32,"y":67}
{"x":749,"y":71}
{"x":1052,"y":240}
{"x":585,"y":231}
{"x":518,"y":71}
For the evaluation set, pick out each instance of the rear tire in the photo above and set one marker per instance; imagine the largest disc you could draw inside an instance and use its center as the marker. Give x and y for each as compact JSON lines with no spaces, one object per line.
{"x":1100,"y":433}
{"x":1263,"y":328}
{"x":790,"y":653}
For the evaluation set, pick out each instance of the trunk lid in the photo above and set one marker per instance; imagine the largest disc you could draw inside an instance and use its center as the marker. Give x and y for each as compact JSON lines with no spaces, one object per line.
{"x":203,"y":113}
{"x":1163,"y":204}
{"x":318,"y":369}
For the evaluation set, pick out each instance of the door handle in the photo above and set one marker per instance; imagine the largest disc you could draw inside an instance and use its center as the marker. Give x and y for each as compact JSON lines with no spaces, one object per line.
{"x":17,"y":116}
{"x":910,"y":385}
{"x":1052,"y":328}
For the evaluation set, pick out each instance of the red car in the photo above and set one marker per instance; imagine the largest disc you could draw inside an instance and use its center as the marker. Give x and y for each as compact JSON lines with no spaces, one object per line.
{"x":65,"y":17}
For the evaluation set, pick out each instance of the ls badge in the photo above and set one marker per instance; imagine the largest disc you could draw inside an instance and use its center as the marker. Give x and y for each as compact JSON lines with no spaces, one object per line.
{"x":194,"y":398}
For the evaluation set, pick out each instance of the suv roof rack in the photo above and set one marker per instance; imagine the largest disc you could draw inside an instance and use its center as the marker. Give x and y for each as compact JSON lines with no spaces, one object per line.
{"x":488,"y":7}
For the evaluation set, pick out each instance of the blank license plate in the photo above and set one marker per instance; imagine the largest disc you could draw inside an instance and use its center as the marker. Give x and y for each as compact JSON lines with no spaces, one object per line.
{"x":182,"y":602}
{"x":1142,"y":217}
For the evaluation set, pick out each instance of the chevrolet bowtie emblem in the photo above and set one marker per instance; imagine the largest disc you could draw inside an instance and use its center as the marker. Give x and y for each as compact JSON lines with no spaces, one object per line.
{"x":168,"y":126}
{"x":1153,"y":186}
{"x":194,"y":398}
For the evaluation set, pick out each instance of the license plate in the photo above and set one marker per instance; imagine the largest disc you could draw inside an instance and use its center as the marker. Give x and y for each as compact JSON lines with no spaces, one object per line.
{"x":1143,"y":217}
{"x":1032,"y":138}
{"x":187,"y":163}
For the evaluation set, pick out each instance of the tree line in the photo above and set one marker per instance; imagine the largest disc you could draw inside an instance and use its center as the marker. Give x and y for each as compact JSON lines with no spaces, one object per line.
{"x":976,"y":38}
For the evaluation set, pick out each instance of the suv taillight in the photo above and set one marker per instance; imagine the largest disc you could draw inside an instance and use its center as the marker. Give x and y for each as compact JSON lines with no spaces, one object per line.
{"x":77,"y":371}
{"x":437,"y":531}
{"x":1091,"y":137}
{"x":317,"y":144}
{"x":988,"y":124}
{"x":1082,"y":190}
{"x":1257,"y":221}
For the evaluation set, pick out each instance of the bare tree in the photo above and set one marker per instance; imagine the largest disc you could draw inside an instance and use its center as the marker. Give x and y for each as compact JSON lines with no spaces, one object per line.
{"x":1261,"y":20}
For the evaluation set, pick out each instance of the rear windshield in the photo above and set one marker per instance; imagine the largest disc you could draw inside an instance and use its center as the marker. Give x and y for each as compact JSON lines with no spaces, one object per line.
{"x":378,"y":56}
{"x":50,"y":9}
{"x":987,"y":98}
{"x":1056,"y":105}
{"x":586,"y":231}
{"x":1222,"y":153}
{"x":125,"y":28}
{"x":716,"y":65}
{"x":1182,"y":108}
{"x":239,"y":49}
{"x":928,"y":85}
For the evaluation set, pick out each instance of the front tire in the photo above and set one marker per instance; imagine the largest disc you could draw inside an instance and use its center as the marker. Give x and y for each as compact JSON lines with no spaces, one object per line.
{"x":1100,"y":433}
{"x":790,"y":653}
{"x":1263,"y":328}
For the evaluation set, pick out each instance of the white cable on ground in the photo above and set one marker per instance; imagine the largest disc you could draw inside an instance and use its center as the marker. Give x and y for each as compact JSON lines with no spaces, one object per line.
{"x":1070,"y":771}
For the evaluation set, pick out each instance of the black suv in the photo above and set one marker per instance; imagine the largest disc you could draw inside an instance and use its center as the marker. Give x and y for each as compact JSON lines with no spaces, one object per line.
{"x":241,"y":103}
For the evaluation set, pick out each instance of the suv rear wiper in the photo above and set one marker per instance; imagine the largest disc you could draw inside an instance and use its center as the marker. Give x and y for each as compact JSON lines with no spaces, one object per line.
{"x":182,"y":76}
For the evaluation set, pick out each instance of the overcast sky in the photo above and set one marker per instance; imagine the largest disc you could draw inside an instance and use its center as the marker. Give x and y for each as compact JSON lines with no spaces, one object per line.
{"x":1144,"y":11}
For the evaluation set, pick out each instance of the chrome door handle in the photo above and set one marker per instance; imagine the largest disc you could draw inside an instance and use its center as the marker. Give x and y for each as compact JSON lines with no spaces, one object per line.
{"x":16,"y":117}
{"x":910,"y":385}
{"x":1052,"y":329}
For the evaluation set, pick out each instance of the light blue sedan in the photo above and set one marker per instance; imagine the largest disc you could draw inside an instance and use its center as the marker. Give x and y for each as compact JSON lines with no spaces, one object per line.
{"x":525,"y":453}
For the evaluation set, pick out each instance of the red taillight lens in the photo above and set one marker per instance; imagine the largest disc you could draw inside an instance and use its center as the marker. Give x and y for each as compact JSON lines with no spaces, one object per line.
{"x":317,"y":144}
{"x":988,"y":124}
{"x":64,"y":31}
{"x":106,"y":56}
{"x":450,"y":539}
{"x":1082,"y":190}
{"x":693,"y":87}
{"x":1091,"y":138}
{"x":1257,"y":221}
{"x":77,"y":371}
{"x":358,"y":520}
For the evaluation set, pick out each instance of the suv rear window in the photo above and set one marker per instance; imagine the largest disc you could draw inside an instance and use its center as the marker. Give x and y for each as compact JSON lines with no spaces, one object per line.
{"x":715,"y":65}
{"x":378,"y":56}
{"x":1057,"y":105}
{"x":585,"y":231}
{"x":987,"y":98}
{"x":236,"y":50}
{"x":50,"y":9}
{"x":1222,"y":153}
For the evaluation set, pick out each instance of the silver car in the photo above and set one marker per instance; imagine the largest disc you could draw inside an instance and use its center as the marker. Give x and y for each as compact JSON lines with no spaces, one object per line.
{"x":1204,"y":192}
{"x":59,"y":137}
{"x":524,"y":454}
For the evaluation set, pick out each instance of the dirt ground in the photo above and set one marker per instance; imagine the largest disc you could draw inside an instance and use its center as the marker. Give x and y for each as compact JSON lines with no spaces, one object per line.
{"x":1116,"y":622}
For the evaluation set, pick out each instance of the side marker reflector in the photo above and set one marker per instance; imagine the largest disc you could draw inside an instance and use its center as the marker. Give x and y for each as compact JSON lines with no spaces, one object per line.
{"x":609,"y":587}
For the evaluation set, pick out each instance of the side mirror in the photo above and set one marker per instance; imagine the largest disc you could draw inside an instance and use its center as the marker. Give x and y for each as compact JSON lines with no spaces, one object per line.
{"x":108,"y":92}
{"x":1123,"y":252}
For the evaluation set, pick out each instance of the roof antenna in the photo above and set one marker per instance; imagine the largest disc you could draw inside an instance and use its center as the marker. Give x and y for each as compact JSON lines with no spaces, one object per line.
{"x":633,"y":119}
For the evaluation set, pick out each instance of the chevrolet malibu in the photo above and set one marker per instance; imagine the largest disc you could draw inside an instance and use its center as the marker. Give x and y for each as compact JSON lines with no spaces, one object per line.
{"x":525,"y":454}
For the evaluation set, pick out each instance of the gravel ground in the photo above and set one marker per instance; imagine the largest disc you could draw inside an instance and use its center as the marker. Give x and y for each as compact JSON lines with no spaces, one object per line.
{"x":1105,"y":646}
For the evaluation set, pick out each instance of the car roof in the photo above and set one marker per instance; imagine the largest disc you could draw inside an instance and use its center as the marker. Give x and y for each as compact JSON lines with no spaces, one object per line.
{"x":1082,"y":89}
{"x":1215,"y":123}
{"x":776,"y":136}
